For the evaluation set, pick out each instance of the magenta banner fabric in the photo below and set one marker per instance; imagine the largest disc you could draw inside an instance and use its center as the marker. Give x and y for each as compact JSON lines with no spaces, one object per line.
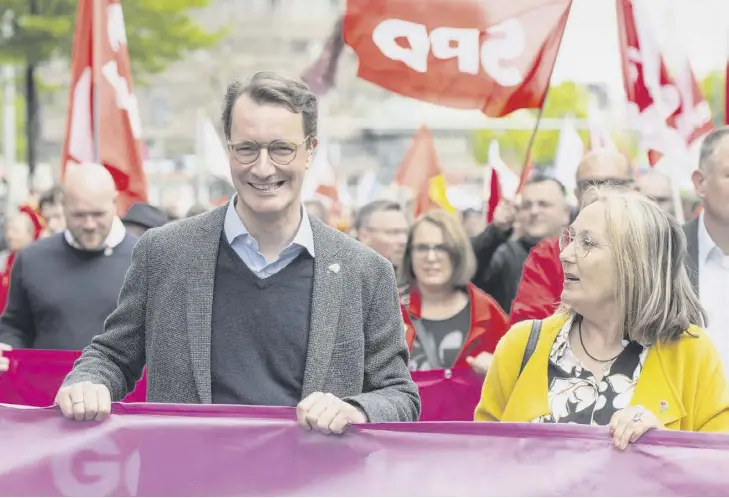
{"x":35,"y":376}
{"x":168,"y":450}
{"x":448,"y":395}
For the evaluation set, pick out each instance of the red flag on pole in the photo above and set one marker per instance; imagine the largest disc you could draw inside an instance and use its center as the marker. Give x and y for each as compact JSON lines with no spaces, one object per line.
{"x":494,"y":195}
{"x":321,"y":75}
{"x":669,"y":116}
{"x":103,"y":124}
{"x":421,"y":173}
{"x":493,"y":55}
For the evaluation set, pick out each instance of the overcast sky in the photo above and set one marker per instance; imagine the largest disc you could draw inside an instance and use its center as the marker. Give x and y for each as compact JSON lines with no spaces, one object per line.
{"x":589,"y":51}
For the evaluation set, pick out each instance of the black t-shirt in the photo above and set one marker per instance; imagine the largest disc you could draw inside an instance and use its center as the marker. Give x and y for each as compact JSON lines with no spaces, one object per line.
{"x":449,"y":336}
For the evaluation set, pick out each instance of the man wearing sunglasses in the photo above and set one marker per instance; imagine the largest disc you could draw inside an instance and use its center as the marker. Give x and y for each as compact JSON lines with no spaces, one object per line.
{"x":256,"y":302}
{"x":542,"y":279}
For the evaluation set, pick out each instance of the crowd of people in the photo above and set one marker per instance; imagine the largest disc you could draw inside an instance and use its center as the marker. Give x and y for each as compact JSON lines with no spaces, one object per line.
{"x":607,"y":312}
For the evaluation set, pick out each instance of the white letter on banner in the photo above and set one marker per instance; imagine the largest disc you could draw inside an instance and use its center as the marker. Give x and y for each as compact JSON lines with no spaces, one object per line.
{"x":507,"y":47}
{"x":101,"y":473}
{"x":124,"y":98}
{"x":466,"y":47}
{"x":416,"y":57}
{"x":115,"y":27}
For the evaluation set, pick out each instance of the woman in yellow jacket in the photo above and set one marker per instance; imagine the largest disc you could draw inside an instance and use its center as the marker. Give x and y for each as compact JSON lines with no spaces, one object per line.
{"x":625,"y":349}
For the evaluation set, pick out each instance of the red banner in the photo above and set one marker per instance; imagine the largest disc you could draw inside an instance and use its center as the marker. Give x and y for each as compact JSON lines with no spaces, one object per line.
{"x":491,"y":55}
{"x":35,"y":376}
{"x":177,"y":450}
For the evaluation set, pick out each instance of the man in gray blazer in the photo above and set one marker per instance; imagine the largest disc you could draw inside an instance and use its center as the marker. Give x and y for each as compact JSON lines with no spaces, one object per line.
{"x":256,"y":302}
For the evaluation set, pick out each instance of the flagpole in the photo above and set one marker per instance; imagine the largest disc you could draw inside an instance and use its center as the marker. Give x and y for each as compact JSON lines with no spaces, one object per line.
{"x":527,"y":160}
{"x":95,"y":72}
{"x":526,"y":169}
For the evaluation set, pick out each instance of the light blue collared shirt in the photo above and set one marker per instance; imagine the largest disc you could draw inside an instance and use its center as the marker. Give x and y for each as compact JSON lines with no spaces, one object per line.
{"x":246,"y":247}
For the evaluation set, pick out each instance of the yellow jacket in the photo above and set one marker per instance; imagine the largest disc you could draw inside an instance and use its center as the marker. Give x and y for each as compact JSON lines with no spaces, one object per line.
{"x":682,"y":383}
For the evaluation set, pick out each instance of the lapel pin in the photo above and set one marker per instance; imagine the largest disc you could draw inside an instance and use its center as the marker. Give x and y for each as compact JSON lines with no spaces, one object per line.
{"x":664,"y":406}
{"x":334,"y":268}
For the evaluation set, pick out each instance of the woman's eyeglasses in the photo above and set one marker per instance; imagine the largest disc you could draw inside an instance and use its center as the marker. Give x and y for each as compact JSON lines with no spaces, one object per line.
{"x":583,"y":241}
{"x":440,"y":250}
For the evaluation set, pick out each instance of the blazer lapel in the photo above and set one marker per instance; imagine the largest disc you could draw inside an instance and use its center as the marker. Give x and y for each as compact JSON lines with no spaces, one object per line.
{"x":691,"y":230}
{"x":200,"y":287}
{"x":329,"y":270}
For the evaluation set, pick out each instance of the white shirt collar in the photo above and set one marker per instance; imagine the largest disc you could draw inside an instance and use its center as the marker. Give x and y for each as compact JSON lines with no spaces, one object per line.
{"x":234,"y":227}
{"x":115,"y":237}
{"x":707,"y":246}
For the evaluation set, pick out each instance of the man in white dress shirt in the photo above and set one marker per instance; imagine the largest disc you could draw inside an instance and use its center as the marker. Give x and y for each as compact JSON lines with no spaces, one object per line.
{"x":708,"y":237}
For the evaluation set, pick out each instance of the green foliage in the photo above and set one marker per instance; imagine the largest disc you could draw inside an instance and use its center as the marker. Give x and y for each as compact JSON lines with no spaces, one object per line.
{"x":713,"y":89}
{"x":159,"y":32}
{"x":567,"y":99}
{"x":20,"y":137}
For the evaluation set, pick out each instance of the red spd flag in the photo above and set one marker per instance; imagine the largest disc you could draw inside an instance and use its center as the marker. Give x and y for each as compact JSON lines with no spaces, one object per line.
{"x":669,"y":117}
{"x":491,"y":55}
{"x":100,"y":61}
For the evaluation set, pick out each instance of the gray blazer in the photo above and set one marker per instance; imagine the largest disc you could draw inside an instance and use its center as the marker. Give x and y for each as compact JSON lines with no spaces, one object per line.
{"x":357,"y":349}
{"x":691,"y":230}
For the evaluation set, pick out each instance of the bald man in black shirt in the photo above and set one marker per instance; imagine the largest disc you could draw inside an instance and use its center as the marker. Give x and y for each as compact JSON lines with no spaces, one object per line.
{"x":63,"y":287}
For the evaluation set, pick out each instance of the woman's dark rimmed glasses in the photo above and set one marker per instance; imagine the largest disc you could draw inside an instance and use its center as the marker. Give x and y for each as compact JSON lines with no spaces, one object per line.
{"x":280,"y":151}
{"x":440,"y":250}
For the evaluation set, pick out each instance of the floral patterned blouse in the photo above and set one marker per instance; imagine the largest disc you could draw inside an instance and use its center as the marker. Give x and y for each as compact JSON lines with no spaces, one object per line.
{"x":575,"y":396}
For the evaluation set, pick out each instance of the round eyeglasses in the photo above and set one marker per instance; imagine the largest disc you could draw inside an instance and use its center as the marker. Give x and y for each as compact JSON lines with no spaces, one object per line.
{"x":584,"y":243}
{"x":280,"y":151}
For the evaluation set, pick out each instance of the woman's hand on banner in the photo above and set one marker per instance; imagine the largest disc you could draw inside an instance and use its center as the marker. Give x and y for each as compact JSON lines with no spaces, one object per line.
{"x":629,"y":424}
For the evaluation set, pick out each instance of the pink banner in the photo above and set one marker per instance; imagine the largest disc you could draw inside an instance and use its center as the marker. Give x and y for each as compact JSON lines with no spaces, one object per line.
{"x":169,"y":450}
{"x":448,"y":395}
{"x":35,"y":376}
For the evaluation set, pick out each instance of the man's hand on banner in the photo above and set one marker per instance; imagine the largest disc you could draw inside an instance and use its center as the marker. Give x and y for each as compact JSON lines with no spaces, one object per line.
{"x":481,"y":363}
{"x":328,"y":414}
{"x":4,"y":362}
{"x":84,"y":401}
{"x":629,"y":424}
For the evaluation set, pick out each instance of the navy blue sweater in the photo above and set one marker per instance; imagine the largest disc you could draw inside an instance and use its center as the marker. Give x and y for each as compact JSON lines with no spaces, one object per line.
{"x":60,"y":296}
